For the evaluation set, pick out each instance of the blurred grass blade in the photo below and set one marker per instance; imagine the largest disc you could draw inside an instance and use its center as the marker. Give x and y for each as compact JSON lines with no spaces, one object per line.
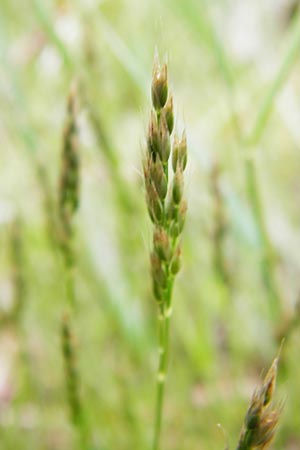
{"x":196,"y":14}
{"x":44,"y":19}
{"x":292,"y":55}
{"x":123,"y":54}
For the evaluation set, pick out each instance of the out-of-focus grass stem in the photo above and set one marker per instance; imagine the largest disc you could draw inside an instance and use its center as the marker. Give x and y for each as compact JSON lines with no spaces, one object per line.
{"x":268,"y":264}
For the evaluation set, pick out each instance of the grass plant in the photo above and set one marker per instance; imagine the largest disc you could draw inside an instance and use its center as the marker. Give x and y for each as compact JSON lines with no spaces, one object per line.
{"x":167,"y":209}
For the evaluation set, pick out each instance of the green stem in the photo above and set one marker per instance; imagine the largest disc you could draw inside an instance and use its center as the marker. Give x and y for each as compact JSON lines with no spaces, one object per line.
{"x":70,"y":292}
{"x":78,"y":419}
{"x":160,"y":382}
{"x":268,"y":260}
{"x":243,"y":446}
{"x":163,"y":332}
{"x":83,"y":440}
{"x":291,"y":56}
{"x":72,"y":381}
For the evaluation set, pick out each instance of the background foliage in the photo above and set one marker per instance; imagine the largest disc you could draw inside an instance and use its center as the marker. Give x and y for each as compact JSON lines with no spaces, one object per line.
{"x":234,"y":71}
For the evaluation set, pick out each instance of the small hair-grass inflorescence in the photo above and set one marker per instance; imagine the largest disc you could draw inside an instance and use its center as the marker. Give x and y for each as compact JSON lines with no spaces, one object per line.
{"x":68,"y":195}
{"x":69,"y":178}
{"x":262,"y":416}
{"x":68,"y":204}
{"x":165,"y":202}
{"x":167,"y":210}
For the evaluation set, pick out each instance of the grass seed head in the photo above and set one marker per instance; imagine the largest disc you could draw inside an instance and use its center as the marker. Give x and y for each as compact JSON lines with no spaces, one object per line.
{"x":69,"y":178}
{"x":164,"y":198}
{"x":262,"y":416}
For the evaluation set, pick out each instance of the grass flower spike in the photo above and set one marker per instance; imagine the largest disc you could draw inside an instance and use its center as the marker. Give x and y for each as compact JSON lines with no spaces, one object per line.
{"x":68,"y":195}
{"x":262,"y":416}
{"x":69,"y":180}
{"x":167,"y":210}
{"x":67,"y":206}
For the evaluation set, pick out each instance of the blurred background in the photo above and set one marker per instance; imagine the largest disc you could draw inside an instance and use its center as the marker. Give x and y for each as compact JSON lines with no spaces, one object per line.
{"x":234,"y":72}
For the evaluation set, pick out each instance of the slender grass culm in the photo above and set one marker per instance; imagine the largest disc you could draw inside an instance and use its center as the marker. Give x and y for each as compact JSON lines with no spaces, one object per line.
{"x":72,"y":381}
{"x":15,"y":318}
{"x":220,"y":227}
{"x":167,"y":210}
{"x":17,"y":275}
{"x":262,"y":416}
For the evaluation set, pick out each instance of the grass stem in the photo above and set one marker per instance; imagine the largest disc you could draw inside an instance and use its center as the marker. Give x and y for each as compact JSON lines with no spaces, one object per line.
{"x":268,"y":261}
{"x":163,"y":349}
